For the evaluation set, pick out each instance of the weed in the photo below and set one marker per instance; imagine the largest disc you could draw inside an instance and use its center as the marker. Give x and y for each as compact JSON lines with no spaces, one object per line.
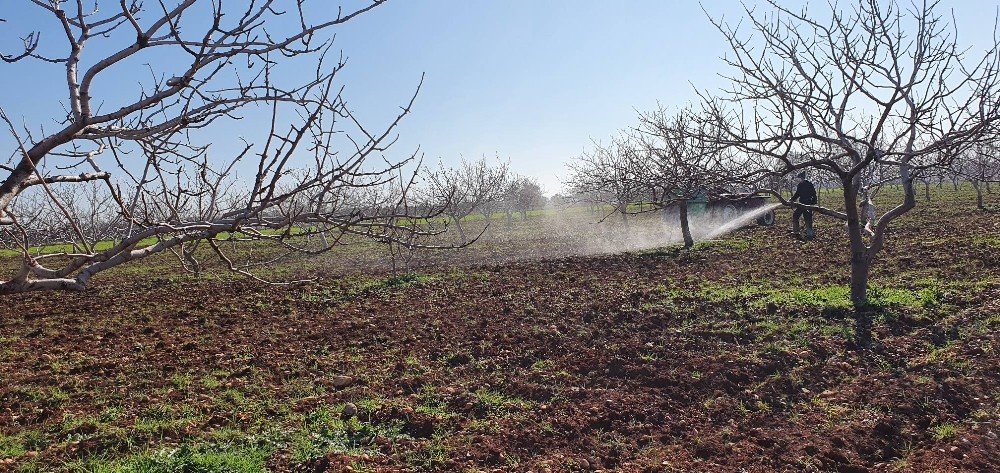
{"x":372,"y":404}
{"x":11,"y":447}
{"x":356,"y":287}
{"x":542,"y":365}
{"x":497,"y":403}
{"x":210,"y":382}
{"x":160,"y":420}
{"x":323,"y":432}
{"x":725,"y":246}
{"x":943,"y":431}
{"x":648,"y":357}
{"x":404,"y":280}
{"x":181,"y":381}
{"x":48,"y":396}
{"x":929,"y":297}
{"x":204,"y":458}
{"x":431,"y":455}
{"x":432,"y":404}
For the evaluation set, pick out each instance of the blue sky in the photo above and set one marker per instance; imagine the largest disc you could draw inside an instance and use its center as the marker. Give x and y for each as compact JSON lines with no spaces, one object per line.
{"x":526,"y":80}
{"x":532,"y":81}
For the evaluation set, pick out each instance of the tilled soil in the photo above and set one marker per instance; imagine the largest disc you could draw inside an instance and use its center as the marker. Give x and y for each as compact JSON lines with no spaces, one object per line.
{"x":655,"y":361}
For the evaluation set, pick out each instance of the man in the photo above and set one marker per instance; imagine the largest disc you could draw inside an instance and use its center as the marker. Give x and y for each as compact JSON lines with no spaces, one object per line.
{"x":805,"y":193}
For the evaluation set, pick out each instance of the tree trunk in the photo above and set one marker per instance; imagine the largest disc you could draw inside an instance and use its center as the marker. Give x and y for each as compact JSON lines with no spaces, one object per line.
{"x":524,"y":215}
{"x":860,"y":266}
{"x":510,"y":219}
{"x":859,"y":298}
{"x":461,"y":231}
{"x":187,"y":251}
{"x":979,"y":195}
{"x":927,"y":191}
{"x":860,"y":260}
{"x":862,"y":256}
{"x":623,"y":209}
{"x":682,"y":207}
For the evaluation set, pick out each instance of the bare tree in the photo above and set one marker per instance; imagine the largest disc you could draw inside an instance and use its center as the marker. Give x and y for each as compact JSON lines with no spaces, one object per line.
{"x":606,"y":176}
{"x":463,"y":190}
{"x":150,"y":151}
{"x":979,"y":166}
{"x":682,"y":161}
{"x":522,"y":195}
{"x":875,"y":86}
{"x":91,"y":210}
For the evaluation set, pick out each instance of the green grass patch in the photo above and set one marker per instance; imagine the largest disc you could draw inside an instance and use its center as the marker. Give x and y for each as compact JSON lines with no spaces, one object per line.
{"x":988,"y":241}
{"x":727,"y":245}
{"x":161,"y":419}
{"x":46,"y":396}
{"x":834,"y":297}
{"x":354,"y":288}
{"x":944,"y":431}
{"x":431,"y":455}
{"x":104,"y":245}
{"x":497,"y":403}
{"x":11,"y":446}
{"x":68,"y":248}
{"x":323,"y":431}
{"x":197,"y":459}
{"x":432,"y":404}
{"x":404,"y":280}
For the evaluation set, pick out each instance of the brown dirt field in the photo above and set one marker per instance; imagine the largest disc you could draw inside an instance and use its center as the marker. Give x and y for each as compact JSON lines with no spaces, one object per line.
{"x":737,"y":355}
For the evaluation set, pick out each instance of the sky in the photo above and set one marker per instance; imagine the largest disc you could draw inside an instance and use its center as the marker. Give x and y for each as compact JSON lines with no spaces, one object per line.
{"x":528,"y":81}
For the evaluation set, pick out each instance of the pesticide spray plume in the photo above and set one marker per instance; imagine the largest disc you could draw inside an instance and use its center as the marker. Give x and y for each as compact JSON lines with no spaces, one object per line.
{"x":576,"y":231}
{"x":579,"y":232}
{"x":741,"y":221}
{"x":662,"y":229}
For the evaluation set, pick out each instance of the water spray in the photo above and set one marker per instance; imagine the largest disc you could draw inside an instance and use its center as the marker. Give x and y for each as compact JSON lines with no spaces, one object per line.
{"x":741,"y":220}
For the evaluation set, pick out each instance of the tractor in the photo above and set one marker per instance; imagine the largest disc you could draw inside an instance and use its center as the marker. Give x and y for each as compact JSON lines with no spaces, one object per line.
{"x":728,"y":205}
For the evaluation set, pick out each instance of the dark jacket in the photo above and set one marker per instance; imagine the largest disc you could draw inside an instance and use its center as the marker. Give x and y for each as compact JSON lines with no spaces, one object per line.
{"x":805,"y":193}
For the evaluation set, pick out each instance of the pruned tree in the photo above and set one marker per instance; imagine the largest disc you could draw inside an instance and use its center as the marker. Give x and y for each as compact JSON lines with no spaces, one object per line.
{"x":979,"y":166}
{"x":522,"y":195}
{"x":606,"y":176}
{"x":867,"y":85}
{"x":463,"y":190}
{"x":681,"y":160}
{"x":91,"y":211}
{"x":150,"y":152}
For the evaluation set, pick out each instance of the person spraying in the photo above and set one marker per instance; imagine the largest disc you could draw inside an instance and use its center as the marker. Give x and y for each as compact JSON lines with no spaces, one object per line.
{"x":805,"y":193}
